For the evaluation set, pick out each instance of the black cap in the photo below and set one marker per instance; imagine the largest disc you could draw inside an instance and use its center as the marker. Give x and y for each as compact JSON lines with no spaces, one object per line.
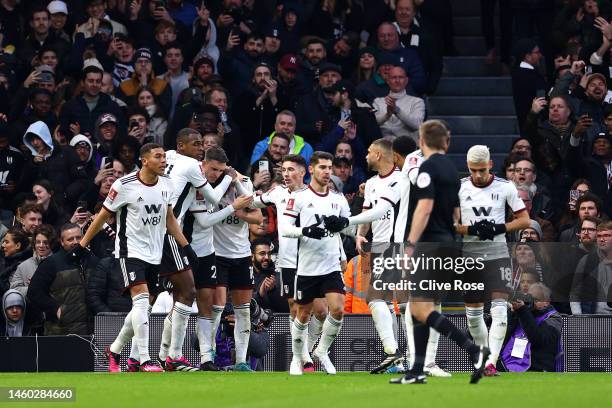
{"x":272,"y":31}
{"x":341,"y":161}
{"x":328,"y":66}
{"x":340,"y":86}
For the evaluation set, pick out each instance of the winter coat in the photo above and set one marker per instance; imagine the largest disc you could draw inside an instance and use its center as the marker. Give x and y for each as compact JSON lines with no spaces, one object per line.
{"x":76,"y":111}
{"x":23,"y":275}
{"x":24,"y":327}
{"x":10,"y":266}
{"x":105,"y":289}
{"x":60,"y":281}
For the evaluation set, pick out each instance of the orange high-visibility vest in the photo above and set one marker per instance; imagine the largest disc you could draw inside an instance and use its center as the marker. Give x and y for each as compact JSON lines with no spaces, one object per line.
{"x":355,"y":298}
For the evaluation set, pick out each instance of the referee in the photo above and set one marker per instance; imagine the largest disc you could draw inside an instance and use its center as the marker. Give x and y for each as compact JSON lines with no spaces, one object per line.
{"x":432,"y":230}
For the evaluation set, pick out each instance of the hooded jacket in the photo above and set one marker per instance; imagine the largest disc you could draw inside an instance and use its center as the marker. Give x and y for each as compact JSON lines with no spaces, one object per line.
{"x":10,"y":266}
{"x":59,"y":166}
{"x":9,"y":328}
{"x":88,"y":168}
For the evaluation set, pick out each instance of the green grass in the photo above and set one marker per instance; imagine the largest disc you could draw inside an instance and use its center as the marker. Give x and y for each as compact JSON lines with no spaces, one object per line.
{"x":220,"y":390}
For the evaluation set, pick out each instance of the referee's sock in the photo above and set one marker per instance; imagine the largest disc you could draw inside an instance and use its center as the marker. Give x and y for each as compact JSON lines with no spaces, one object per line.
{"x":125,"y":334}
{"x":421,"y":336}
{"x":447,"y":328}
{"x":476,"y":325}
{"x":166,"y":336}
{"x":384,"y":325}
{"x":180,"y":318}
{"x":242,"y":331}
{"x":140,"y":322}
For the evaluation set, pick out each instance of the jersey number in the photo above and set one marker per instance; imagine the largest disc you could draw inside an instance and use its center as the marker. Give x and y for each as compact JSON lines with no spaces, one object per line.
{"x":506,"y":273}
{"x":231,"y":219}
{"x":214,"y":272}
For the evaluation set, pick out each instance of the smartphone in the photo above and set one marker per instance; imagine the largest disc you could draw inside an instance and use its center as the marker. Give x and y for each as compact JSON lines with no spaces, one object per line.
{"x":540,"y":93}
{"x":106,"y":162}
{"x":82,"y":207}
{"x":133,"y":124}
{"x":574,"y":195}
{"x":263,"y":166}
{"x":160,"y":4}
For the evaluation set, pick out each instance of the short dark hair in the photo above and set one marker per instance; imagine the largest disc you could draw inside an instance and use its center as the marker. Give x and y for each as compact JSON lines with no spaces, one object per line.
{"x":260,"y":241}
{"x":282,"y":136}
{"x":589,"y":197}
{"x":216,"y":154}
{"x":92,"y":69}
{"x":319,"y":155}
{"x":26,"y":208}
{"x":525,"y":158}
{"x":147,"y":147}
{"x":184,"y":135}
{"x":39,"y":91}
{"x":295,"y":158}
{"x":404,"y":145}
{"x":594,"y":220}
{"x":254,"y":36}
{"x":68,"y":226}
{"x":137,"y":110}
{"x":172,"y":45}
{"x":384,"y":143}
{"x":315,"y":40}
{"x":48,"y":231}
{"x":435,"y":133}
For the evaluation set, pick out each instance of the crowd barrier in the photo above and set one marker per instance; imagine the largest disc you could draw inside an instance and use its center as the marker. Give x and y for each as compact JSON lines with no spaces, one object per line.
{"x":587,"y":343}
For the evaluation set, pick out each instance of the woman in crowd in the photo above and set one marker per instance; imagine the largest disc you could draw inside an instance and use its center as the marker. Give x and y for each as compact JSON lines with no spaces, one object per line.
{"x":145,"y":98}
{"x":16,"y":249}
{"x":45,"y":196}
{"x":367,"y":65}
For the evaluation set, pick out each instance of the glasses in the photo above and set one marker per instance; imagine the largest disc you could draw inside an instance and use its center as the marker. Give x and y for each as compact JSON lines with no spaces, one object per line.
{"x":523,"y":170}
{"x":588,"y":229}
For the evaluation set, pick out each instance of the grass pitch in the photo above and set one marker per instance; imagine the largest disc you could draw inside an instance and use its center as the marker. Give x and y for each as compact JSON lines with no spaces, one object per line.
{"x":254,"y":390}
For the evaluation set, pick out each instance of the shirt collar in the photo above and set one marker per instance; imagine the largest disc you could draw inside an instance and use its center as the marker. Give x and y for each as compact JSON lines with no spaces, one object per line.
{"x":526,"y":65}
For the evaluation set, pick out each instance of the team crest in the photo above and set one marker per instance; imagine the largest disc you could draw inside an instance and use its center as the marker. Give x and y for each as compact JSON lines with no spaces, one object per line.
{"x":112,"y":194}
{"x":132,"y":276}
{"x":290,"y":204}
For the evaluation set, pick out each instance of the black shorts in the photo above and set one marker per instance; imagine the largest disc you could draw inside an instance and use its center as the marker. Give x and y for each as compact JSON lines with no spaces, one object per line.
{"x":287,"y":277}
{"x":308,"y":288}
{"x":206,"y":274}
{"x":235,"y":273}
{"x":433,"y":274}
{"x":174,"y":259}
{"x":496,"y":275}
{"x":136,"y":271}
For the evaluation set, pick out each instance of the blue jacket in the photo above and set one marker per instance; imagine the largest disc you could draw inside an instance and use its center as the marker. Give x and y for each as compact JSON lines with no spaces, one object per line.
{"x":301,"y":147}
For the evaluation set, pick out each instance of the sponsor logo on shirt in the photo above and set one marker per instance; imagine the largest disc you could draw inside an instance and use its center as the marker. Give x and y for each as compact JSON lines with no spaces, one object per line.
{"x":290,"y":204}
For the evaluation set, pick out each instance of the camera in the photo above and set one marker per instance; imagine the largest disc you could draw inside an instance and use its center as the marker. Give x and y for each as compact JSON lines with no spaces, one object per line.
{"x":260,"y":315}
{"x":525,"y":297}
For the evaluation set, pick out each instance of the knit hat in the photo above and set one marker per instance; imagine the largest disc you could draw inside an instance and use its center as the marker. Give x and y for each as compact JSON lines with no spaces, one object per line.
{"x":534,"y":225}
{"x":368,"y":50}
{"x":142,"y":53}
{"x":523,"y":47}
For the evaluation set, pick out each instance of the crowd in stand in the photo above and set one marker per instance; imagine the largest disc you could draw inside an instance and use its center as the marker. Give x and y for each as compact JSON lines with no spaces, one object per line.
{"x":85,"y":83}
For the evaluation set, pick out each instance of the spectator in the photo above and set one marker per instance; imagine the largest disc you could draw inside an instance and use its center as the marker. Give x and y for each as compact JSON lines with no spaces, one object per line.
{"x":53,"y":214}
{"x":587,"y":205}
{"x":15,"y":250}
{"x":525,"y":174}
{"x":376,"y":86}
{"x":157,"y":124}
{"x":314,"y":56}
{"x":237,"y":65}
{"x":527,"y":82}
{"x":11,"y":165}
{"x":345,"y":149}
{"x":108,"y":87}
{"x":79,"y":114}
{"x":366,"y":67}
{"x":48,"y":160}
{"x":522,"y":147}
{"x":138,"y":123}
{"x":594,"y":166}
{"x":268,"y":165}
{"x":593,"y":278}
{"x":343,"y":52}
{"x":58,"y":10}
{"x":285,"y":123}
{"x":414,"y":35}
{"x":259,"y":105}
{"x":267,"y":290}
{"x":29,"y":216}
{"x":398,"y":113}
{"x":570,"y":217}
{"x":272,"y":46}
{"x":174,"y":75}
{"x":120,"y":61}
{"x":44,"y":240}
{"x":355,"y":125}
{"x":39,"y":109}
{"x":105,"y":289}
{"x":59,"y":287}
{"x":96,"y":11}
{"x":549,"y":233}
{"x":126,"y":151}
{"x":539,"y":324}
{"x":14,"y":321}
{"x":343,"y":169}
{"x":408,"y":58}
{"x":290,"y":89}
{"x":144,"y":76}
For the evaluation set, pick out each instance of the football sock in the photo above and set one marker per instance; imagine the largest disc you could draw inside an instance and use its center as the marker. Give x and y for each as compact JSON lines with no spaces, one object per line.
{"x":205,"y":325}
{"x":499,"y":324}
{"x":384,"y":325}
{"x":394,"y":322}
{"x":140,"y":322}
{"x":432,"y":343}
{"x":165,"y":337}
{"x":299,"y":332}
{"x":447,"y":328}
{"x":180,"y":318}
{"x":134,"y":349}
{"x":409,"y":330}
{"x":476,"y":325}
{"x":125,"y":334}
{"x":315,"y":327}
{"x":331,"y":328}
{"x":217,"y":311}
{"x":421,"y":336}
{"x":242,"y":331}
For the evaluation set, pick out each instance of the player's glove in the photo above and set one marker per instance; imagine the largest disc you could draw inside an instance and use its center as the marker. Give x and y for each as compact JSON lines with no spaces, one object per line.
{"x":486,"y":230}
{"x":313,"y":232}
{"x":78,"y":253}
{"x":333,"y":223}
{"x":192,"y":257}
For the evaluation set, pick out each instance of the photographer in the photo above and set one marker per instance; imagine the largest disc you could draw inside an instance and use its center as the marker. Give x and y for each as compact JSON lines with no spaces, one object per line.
{"x":267,"y":291}
{"x":138,"y":120}
{"x":533,"y":340}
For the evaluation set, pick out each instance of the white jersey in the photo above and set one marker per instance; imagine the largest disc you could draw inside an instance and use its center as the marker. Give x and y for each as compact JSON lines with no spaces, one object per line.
{"x":287,"y":247}
{"x":487,"y":203}
{"x":141,"y":216}
{"x":387,"y":188}
{"x":306,"y":208}
{"x":231,"y":235}
{"x":186,"y":175}
{"x":410,"y":171}
{"x":199,"y":222}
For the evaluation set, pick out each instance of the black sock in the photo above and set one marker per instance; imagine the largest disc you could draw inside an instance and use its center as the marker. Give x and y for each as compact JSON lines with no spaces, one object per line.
{"x":447,"y":328}
{"x":421,"y":336}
